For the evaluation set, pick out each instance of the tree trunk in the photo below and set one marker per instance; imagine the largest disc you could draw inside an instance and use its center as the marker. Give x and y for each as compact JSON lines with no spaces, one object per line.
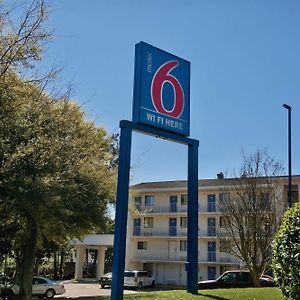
{"x":36,"y":266}
{"x":18,"y":260}
{"x":255,"y":278}
{"x":26,"y":272}
{"x":61,"y":264}
{"x":55,"y":269}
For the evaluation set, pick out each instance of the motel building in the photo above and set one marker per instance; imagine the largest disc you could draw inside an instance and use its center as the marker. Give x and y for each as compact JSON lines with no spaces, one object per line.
{"x":157,"y":229}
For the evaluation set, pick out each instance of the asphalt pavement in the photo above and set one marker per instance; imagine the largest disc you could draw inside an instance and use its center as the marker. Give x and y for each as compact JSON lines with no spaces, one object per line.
{"x":85,"y":289}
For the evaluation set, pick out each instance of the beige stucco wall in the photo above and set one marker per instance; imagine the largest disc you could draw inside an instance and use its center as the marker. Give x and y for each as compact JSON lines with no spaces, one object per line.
{"x":159,"y":245}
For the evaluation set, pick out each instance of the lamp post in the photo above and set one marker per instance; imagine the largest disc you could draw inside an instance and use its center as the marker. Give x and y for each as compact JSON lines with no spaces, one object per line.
{"x":289,"y":154}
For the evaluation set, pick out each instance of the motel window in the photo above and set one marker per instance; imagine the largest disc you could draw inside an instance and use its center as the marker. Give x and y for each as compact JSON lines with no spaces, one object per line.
{"x":183,"y":245}
{"x":142,"y":245}
{"x":295,"y":196}
{"x":149,"y":200}
{"x":184,"y":199}
{"x":295,"y":193}
{"x":148,"y":222}
{"x":183,"y":222}
{"x":211,"y":203}
{"x":138,"y":203}
{"x":224,"y":197}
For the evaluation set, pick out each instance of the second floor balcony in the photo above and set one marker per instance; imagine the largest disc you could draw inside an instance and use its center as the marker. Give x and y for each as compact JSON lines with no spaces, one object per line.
{"x":212,"y":257}
{"x":170,"y":231}
{"x":175,"y":208}
{"x":176,"y":231}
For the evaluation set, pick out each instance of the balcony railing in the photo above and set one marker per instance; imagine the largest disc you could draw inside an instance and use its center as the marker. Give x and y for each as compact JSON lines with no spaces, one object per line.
{"x":169,"y":231}
{"x":172,"y":208}
{"x":175,"y":208}
{"x":211,"y":257}
{"x":176,"y":231}
{"x":211,"y":231}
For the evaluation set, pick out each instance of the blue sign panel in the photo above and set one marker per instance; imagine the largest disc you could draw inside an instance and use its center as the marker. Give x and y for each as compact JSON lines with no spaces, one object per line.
{"x":161,"y":96}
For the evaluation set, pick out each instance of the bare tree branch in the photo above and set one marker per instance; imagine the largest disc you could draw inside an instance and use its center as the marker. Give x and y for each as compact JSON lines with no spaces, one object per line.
{"x":251,"y":212}
{"x":21,"y":43}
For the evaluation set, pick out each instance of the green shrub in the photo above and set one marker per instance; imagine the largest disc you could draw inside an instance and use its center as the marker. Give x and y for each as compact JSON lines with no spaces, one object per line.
{"x":286,"y":254}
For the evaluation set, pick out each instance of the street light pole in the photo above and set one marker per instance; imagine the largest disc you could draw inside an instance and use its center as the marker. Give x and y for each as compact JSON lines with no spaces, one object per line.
{"x":289,"y":153}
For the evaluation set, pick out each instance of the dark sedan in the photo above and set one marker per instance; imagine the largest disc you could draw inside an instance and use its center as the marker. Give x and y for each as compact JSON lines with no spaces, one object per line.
{"x":234,"y":279}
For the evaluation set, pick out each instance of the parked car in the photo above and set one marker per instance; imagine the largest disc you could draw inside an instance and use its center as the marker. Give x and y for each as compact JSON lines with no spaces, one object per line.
{"x":136,"y":278}
{"x":105,"y":280}
{"x":42,"y":286}
{"x":235,"y":279}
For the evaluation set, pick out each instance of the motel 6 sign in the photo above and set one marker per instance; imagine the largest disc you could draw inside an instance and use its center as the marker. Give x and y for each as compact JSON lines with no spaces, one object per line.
{"x":161,"y":96}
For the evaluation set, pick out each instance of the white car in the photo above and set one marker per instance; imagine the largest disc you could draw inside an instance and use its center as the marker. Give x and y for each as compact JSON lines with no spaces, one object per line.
{"x":42,"y":286}
{"x":138,"y":279}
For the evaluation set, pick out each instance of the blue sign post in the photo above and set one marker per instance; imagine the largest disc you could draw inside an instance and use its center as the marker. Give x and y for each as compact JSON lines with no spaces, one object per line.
{"x":161,"y":109}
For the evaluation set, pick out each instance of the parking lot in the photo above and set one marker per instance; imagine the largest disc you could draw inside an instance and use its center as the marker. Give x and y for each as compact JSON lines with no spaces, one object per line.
{"x":84,"y":289}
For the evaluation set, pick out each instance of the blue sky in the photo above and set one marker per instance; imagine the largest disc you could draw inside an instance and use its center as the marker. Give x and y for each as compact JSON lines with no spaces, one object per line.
{"x":245,"y":63}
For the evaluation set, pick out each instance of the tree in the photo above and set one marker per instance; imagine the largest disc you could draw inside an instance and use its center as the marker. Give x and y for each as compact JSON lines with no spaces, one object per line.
{"x":57,"y":171}
{"x":251,"y":211}
{"x":56,"y":176}
{"x":286,"y":254}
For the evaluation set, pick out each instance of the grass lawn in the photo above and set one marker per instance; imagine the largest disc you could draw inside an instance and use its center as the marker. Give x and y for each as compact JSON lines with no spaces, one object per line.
{"x":219,"y":294}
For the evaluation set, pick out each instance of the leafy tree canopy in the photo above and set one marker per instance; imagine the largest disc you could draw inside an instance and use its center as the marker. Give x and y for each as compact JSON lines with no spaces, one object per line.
{"x":57,"y":170}
{"x":55,"y":166}
{"x":286,"y":254}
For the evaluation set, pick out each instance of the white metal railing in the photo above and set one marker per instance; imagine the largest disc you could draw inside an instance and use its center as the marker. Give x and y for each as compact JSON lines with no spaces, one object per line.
{"x":225,"y":259}
{"x":177,"y":232}
{"x":159,"y":208}
{"x":211,"y":257}
{"x":170,"y":231}
{"x":175,"y":208}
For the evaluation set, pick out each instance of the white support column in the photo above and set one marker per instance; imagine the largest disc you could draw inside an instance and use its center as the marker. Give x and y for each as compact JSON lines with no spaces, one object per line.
{"x":80,"y":256}
{"x":100,"y":261}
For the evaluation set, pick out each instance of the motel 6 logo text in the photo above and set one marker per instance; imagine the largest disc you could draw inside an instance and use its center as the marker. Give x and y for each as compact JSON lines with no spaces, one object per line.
{"x":161,"y":90}
{"x":161,"y":77}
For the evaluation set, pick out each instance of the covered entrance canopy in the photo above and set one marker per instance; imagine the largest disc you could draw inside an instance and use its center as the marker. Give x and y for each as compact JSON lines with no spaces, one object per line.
{"x":99,"y":242}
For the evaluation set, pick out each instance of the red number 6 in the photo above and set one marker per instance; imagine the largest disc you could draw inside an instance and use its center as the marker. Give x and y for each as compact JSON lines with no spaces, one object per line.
{"x":162,"y":76}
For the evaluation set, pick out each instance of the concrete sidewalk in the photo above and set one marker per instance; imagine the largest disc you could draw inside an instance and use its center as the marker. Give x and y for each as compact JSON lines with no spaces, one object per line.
{"x":86,"y":289}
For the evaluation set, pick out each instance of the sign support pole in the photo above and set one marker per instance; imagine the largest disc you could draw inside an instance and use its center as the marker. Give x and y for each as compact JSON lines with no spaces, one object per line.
{"x":192,"y":231}
{"x":122,"y":205}
{"x":121,"y":213}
